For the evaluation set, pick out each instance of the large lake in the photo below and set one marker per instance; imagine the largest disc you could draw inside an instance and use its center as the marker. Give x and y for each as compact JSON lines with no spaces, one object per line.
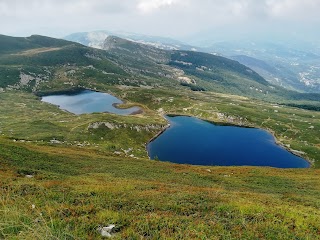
{"x":87,"y":101}
{"x":193,"y":141}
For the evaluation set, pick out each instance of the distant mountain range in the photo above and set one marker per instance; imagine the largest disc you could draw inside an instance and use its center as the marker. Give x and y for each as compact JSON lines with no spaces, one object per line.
{"x":95,"y":39}
{"x":295,"y":66}
{"x":37,"y":63}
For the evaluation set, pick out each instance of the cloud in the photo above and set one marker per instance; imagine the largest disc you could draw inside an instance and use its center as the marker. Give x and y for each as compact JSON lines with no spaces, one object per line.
{"x":294,"y":9}
{"x":157,"y":17}
{"x":148,"y":6}
{"x":21,"y":8}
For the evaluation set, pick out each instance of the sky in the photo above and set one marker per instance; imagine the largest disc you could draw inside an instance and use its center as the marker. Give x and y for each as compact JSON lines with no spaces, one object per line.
{"x":180,"y":19}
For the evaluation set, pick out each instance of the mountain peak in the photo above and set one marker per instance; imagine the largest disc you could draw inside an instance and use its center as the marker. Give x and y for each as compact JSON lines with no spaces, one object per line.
{"x":112,"y":42}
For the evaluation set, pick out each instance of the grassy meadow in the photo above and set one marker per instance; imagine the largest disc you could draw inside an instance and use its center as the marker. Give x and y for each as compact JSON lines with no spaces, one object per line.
{"x":61,"y":178}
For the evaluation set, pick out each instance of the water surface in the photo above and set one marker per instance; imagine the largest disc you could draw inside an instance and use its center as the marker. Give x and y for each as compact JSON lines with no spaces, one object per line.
{"x":87,"y":101}
{"x":193,"y":141}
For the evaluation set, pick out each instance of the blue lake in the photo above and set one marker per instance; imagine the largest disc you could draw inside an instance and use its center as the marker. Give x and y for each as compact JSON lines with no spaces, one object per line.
{"x":88,"y":101}
{"x":193,"y":141}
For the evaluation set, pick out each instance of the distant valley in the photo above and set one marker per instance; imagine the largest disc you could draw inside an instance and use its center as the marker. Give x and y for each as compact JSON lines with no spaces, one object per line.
{"x":288,"y":65}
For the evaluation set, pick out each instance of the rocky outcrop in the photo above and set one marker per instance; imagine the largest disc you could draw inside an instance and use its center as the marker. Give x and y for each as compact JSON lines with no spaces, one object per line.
{"x":93,"y":56}
{"x":25,"y":79}
{"x":137,"y":128}
{"x":187,"y":80}
{"x":97,"y":125}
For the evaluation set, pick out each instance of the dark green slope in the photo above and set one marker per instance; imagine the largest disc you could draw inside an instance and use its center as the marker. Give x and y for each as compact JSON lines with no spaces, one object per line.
{"x":254,"y":63}
{"x":17,"y":44}
{"x":45,"y":51}
{"x":127,"y":58}
{"x":221,"y":74}
{"x":135,"y":50}
{"x":133,"y":53}
{"x":206,"y":71}
{"x":48,"y":63}
{"x":212,"y":65}
{"x":136,"y":57}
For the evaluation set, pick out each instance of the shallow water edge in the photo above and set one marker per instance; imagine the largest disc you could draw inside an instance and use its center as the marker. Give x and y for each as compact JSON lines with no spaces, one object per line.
{"x":268,"y":131}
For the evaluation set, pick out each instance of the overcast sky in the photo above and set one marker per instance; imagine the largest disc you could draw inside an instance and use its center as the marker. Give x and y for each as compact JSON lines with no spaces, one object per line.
{"x":173,"y":18}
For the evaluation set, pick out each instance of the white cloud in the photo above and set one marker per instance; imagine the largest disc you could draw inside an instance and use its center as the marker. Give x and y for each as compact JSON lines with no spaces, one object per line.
{"x":294,"y":9}
{"x":148,"y":6}
{"x":157,"y":17}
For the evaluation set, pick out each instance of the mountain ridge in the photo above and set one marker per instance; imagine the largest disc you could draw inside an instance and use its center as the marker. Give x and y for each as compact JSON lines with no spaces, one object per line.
{"x":143,"y":63}
{"x":96,"y":39}
{"x":288,"y":74}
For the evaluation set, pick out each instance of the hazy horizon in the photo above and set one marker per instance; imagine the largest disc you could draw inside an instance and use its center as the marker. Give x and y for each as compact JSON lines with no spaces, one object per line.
{"x":184,"y":20}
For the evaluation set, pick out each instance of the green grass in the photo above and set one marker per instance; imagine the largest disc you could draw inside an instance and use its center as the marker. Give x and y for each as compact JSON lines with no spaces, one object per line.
{"x":150,"y":199}
{"x":88,"y":179}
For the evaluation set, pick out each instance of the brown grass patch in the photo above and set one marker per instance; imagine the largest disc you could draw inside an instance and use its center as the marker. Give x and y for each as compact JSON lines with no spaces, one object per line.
{"x":36,"y":51}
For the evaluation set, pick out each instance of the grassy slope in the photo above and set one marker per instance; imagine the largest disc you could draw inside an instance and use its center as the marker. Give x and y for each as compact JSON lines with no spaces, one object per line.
{"x":19,"y":44}
{"x":53,"y":64}
{"x":87,"y":185}
{"x":75,"y":190}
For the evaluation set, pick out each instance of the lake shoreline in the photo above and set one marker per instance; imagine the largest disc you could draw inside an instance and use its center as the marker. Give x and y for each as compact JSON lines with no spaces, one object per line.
{"x":80,"y":90}
{"x":292,"y":151}
{"x":276,"y":141}
{"x":116,"y":105}
{"x":69,"y":91}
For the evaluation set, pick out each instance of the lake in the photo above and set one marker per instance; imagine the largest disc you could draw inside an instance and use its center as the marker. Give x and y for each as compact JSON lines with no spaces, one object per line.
{"x":190,"y":140}
{"x":88,"y":101}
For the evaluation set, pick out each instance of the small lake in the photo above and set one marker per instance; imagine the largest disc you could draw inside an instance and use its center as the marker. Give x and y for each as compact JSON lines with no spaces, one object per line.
{"x":88,"y":101}
{"x":193,"y":141}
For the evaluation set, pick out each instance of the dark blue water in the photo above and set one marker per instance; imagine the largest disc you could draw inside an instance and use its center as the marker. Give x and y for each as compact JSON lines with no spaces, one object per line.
{"x":88,"y":101}
{"x":193,"y":141}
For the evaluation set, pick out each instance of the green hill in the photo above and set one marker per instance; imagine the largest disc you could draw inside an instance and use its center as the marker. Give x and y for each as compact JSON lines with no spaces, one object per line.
{"x":42,"y":63}
{"x":17,"y":44}
{"x":200,"y":71}
{"x":205,"y":61}
{"x":222,"y":73}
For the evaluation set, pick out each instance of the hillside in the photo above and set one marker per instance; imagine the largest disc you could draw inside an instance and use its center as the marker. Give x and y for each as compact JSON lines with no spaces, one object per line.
{"x":38,"y":62}
{"x":193,"y":69}
{"x":62,"y":178}
{"x":140,"y":58}
{"x":18,"y":44}
{"x":293,"y":66}
{"x":268,"y":72}
{"x":201,"y":71}
{"x":231,"y":75}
